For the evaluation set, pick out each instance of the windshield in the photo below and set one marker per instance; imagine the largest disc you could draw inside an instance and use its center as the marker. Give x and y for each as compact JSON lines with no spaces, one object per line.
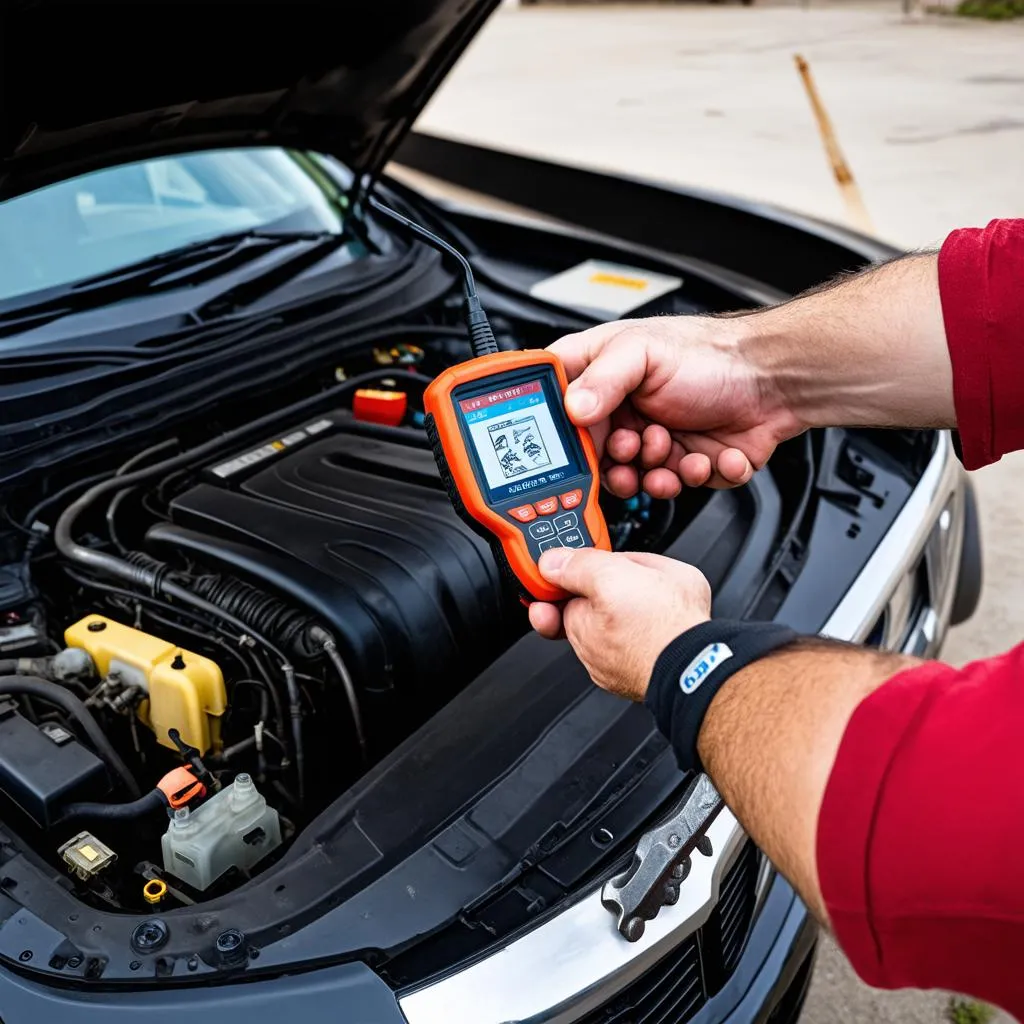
{"x":108,"y":219}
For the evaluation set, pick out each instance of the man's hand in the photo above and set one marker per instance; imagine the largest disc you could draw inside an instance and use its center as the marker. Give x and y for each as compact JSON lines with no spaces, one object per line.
{"x":693,"y":400}
{"x":672,"y":401}
{"x":630,"y":606}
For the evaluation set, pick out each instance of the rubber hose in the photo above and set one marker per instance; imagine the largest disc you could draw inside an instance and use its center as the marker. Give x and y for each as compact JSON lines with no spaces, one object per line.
{"x":51,"y":693}
{"x":148,"y":803}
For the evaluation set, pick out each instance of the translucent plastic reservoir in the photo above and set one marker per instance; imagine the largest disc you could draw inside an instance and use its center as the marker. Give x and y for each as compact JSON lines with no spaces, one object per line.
{"x":234,"y":829}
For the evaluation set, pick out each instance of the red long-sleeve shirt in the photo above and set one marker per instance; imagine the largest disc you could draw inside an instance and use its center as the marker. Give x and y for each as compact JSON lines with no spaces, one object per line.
{"x":921,"y":834}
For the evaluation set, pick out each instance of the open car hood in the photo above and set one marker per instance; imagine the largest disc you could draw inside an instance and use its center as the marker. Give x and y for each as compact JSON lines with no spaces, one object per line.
{"x":96,"y":85}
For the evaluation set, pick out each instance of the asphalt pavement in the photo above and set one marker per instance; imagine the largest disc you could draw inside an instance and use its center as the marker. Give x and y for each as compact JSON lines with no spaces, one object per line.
{"x":929,"y":111}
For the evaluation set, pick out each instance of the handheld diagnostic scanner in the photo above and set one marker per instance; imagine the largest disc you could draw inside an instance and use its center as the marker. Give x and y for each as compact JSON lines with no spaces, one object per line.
{"x":516,"y":468}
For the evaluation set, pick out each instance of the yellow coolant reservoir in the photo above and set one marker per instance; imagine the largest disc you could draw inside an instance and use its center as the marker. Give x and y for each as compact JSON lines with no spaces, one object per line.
{"x":185,"y":691}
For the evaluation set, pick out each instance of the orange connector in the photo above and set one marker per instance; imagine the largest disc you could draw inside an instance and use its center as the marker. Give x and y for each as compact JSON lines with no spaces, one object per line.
{"x":179,"y":786}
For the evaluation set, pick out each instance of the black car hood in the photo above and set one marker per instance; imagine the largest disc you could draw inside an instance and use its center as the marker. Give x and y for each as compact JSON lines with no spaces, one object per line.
{"x":92,"y":85}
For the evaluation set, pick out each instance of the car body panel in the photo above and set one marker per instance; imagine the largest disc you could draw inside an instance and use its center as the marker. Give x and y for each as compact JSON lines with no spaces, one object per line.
{"x":787,"y":250}
{"x":344,"y":992}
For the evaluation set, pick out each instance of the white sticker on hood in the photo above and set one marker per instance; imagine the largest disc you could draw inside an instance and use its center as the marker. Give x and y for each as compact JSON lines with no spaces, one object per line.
{"x":604,"y":289}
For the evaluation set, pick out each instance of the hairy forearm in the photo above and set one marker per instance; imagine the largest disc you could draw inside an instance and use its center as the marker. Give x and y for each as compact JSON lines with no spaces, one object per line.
{"x":867,"y":350}
{"x":770,"y":739}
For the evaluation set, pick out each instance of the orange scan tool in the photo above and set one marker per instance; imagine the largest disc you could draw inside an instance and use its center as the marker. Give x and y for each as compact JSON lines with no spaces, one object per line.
{"x":517,"y":469}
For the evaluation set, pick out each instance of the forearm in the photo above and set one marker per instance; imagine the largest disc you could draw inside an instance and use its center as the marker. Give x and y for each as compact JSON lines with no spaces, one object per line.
{"x":869,"y":350}
{"x":771,"y":736}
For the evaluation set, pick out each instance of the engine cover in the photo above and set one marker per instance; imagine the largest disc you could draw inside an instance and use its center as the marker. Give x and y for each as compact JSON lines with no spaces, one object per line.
{"x":357,"y":529}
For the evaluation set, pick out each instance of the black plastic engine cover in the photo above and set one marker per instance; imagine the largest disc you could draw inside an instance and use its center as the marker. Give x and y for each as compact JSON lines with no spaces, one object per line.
{"x":359,"y":530}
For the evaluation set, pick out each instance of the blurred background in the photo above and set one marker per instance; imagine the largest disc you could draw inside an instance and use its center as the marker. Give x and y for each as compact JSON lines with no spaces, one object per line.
{"x":927,"y":107}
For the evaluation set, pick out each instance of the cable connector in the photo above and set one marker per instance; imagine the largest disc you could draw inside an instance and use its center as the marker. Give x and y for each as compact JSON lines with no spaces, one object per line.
{"x":481,"y":337}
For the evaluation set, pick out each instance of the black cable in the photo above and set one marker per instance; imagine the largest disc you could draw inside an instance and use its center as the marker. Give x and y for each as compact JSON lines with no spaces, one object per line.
{"x":267,"y":691}
{"x":148,"y":803}
{"x":228,"y":753}
{"x":481,"y":337}
{"x":176,"y":590}
{"x":52,"y":693}
{"x":330,"y":648}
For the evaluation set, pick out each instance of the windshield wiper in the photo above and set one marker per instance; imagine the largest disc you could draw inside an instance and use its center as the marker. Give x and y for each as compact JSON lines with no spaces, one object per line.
{"x":187,"y":265}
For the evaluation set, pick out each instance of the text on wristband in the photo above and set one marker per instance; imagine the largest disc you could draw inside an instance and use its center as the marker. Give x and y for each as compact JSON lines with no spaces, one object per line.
{"x":703,"y":665}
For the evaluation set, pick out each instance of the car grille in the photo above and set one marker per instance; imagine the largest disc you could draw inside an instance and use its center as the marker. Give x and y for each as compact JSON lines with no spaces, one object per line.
{"x":736,"y":907}
{"x":679,"y":984}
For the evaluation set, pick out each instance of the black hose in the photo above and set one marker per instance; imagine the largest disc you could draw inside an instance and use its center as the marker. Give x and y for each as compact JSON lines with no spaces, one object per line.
{"x":116,"y":500}
{"x":33,"y":513}
{"x":51,"y":693}
{"x":262,"y":611}
{"x":148,"y":803}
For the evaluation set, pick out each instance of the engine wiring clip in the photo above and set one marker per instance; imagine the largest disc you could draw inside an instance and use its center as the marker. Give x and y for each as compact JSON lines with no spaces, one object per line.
{"x":661,"y":861}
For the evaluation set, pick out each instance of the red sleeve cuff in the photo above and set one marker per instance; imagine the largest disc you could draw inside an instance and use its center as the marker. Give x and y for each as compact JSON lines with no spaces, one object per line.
{"x":981,"y":282}
{"x":920,"y":831}
{"x":848,"y":810}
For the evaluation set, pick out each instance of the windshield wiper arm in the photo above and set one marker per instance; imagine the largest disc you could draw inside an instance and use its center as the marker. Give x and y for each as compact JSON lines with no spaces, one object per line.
{"x":187,"y":264}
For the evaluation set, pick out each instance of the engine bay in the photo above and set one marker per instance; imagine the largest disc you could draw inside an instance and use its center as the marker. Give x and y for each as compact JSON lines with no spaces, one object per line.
{"x":253,"y":667}
{"x":220,"y":638}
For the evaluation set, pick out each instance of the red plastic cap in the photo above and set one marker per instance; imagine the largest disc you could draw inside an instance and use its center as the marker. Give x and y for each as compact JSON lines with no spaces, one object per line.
{"x":385,"y":407}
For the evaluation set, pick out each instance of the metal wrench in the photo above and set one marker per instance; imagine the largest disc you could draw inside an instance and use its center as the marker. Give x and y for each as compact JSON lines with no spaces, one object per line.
{"x":662,"y":860}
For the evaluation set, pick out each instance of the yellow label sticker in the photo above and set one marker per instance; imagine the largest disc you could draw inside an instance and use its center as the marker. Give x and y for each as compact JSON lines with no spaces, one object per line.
{"x":88,"y":852}
{"x":277,"y":445}
{"x":618,"y":281}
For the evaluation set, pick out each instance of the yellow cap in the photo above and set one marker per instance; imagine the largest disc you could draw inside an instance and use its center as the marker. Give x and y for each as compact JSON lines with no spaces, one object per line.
{"x":154,"y":890}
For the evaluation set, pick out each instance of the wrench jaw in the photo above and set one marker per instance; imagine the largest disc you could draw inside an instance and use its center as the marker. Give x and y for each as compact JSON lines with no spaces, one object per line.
{"x":662,"y":861}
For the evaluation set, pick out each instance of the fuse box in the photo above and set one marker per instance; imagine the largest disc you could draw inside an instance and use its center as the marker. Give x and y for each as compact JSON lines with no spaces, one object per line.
{"x":43,"y":767}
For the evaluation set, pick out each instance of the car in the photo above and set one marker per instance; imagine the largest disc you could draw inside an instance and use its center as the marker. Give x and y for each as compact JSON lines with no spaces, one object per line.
{"x":275,"y":738}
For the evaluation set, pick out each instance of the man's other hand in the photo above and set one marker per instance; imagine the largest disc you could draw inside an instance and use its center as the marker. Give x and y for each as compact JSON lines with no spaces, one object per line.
{"x":673,"y":400}
{"x":630,"y":605}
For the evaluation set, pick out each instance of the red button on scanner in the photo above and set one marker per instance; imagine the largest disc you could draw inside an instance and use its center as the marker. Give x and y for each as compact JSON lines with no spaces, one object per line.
{"x":522,"y":513}
{"x":546,"y":506}
{"x":572,"y":498}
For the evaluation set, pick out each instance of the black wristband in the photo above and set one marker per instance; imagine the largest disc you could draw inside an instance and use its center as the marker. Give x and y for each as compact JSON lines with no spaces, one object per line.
{"x":694,"y":667}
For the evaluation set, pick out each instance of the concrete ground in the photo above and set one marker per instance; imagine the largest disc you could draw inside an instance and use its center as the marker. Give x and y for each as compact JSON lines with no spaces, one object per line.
{"x":929,"y":112}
